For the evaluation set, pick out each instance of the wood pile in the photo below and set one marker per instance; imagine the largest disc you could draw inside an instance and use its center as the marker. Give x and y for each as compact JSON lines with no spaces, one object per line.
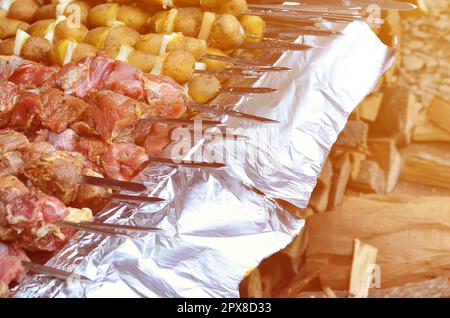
{"x":378,"y":221}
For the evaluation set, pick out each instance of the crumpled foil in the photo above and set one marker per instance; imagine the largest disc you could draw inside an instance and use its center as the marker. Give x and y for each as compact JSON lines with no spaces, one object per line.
{"x":313,"y":104}
{"x":215,"y":227}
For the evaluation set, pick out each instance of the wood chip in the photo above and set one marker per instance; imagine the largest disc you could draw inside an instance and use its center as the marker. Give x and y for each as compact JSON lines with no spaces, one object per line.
{"x":427,"y":169}
{"x":385,"y":153}
{"x":439,"y":113}
{"x":361,"y":275}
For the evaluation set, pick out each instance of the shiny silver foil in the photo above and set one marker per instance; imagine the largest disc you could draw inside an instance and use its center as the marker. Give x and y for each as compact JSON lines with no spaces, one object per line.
{"x":214,"y":229}
{"x":215,"y":226}
{"x":313,"y":104}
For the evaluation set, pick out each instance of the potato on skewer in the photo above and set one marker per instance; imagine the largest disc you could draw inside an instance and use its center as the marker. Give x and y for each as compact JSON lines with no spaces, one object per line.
{"x":24,"y":10}
{"x":9,"y":27}
{"x":223,"y":31}
{"x":107,"y":13}
{"x":67,"y":8}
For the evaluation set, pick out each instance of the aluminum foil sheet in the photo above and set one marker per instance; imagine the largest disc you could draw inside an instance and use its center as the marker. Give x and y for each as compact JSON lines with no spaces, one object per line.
{"x":215,"y":226}
{"x":214,"y":230}
{"x":313,"y":104}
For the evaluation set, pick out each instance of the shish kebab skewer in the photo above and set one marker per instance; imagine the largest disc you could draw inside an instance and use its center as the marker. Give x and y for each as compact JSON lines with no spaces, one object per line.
{"x":223,"y":31}
{"x":178,"y":64}
{"x":14,"y":264}
{"x":39,"y":222}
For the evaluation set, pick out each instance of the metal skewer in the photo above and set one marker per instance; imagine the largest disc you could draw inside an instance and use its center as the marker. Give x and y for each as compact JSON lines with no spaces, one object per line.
{"x":217,"y":109}
{"x":247,"y":90}
{"x":50,"y":271}
{"x":170,"y":162}
{"x":113,"y":184}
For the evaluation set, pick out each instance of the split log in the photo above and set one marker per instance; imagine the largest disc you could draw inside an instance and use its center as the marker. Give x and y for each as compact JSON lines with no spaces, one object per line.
{"x":427,"y":169}
{"x":385,"y":153}
{"x":412,"y":235}
{"x":357,"y":159}
{"x":427,"y":131}
{"x":439,"y":113}
{"x":434,"y":288}
{"x":341,"y":174}
{"x":397,"y":115}
{"x":369,"y":107}
{"x":321,"y":193}
{"x":371,"y":178}
{"x":361,"y":274}
{"x":354,"y":134}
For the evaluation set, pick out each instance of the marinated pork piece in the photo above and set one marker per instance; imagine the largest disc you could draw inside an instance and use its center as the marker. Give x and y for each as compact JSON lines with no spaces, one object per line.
{"x":122,"y":161}
{"x":58,"y":110}
{"x":11,"y":268}
{"x":11,"y":142}
{"x":92,"y":148}
{"x":54,"y":172}
{"x":33,"y":75}
{"x":92,"y":196}
{"x":81,"y":78}
{"x":125,"y":79}
{"x":166,"y":95}
{"x":8,"y":65}
{"x":25,"y":114}
{"x":11,"y":163}
{"x":113,"y":115}
{"x":9,"y":93}
{"x":158,"y":138}
{"x":27,"y":217}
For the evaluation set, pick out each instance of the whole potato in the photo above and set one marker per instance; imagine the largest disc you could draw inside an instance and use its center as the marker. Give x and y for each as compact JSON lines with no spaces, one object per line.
{"x":133,"y":17}
{"x":103,"y":14}
{"x":142,"y":60}
{"x":97,"y":36}
{"x":193,"y":45}
{"x":64,"y":31}
{"x":150,"y":43}
{"x":47,"y":11}
{"x":9,"y":27}
{"x":227,"y":33}
{"x":24,"y":10}
{"x":214,"y":65}
{"x":121,"y":34}
{"x":179,"y":65}
{"x":253,"y":25}
{"x":40,"y":28}
{"x":83,"y":50}
{"x":209,"y":4}
{"x":234,"y":7}
{"x":7,"y":47}
{"x":36,"y":49}
{"x":203,"y":88}
{"x":189,"y":21}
